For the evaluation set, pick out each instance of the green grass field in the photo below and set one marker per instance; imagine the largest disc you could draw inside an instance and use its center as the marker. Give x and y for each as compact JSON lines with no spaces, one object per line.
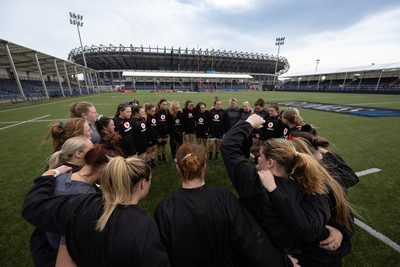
{"x":363,"y":142}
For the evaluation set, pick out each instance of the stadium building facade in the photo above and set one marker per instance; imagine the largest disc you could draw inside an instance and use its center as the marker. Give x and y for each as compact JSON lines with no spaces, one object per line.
{"x":112,"y":61}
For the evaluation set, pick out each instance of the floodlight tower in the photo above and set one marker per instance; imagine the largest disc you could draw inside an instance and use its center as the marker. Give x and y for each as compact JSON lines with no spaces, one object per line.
{"x":278,"y":42}
{"x":76,"y":19}
{"x":316,"y":64}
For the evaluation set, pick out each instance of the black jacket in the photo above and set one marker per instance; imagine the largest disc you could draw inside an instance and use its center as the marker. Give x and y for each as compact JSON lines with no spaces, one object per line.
{"x":207,"y":226}
{"x":130,"y":237}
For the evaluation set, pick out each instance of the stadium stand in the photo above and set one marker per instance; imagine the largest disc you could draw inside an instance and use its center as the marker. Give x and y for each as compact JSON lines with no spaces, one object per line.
{"x":383,"y":78}
{"x":27,"y":75}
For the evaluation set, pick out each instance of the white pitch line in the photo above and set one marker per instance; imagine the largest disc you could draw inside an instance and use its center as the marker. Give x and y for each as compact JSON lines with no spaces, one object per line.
{"x":45,"y":104}
{"x":49,"y":120}
{"x":22,"y":122}
{"x":378,"y":235}
{"x":367,"y":228}
{"x":368,"y":171}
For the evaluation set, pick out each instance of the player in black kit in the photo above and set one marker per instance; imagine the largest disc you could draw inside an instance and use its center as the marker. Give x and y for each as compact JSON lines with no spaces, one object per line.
{"x":152,"y":134}
{"x":162,"y":114}
{"x":216,"y":127}
{"x":202,"y":225}
{"x":201,"y":124}
{"x":123,"y":125}
{"x":188,"y":122}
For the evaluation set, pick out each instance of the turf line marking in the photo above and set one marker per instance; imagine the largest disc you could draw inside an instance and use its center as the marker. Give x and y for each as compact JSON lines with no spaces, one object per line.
{"x":367,"y":228}
{"x":49,"y":120}
{"x":45,"y":104}
{"x":368,"y":171}
{"x":22,"y":122}
{"x":378,"y":235}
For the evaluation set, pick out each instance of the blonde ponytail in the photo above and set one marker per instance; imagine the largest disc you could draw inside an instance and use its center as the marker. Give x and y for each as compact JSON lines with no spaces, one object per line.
{"x":119,"y":182}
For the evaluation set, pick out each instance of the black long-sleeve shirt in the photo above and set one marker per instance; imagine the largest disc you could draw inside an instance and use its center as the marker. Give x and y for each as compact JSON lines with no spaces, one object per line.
{"x":130,"y":238}
{"x":124,"y":128}
{"x":139,"y":134}
{"x":188,"y":120}
{"x":217,"y":122}
{"x":273,"y":128}
{"x":162,"y":121}
{"x":201,"y":123}
{"x":205,"y":226}
{"x":151,"y":129}
{"x":175,"y":125}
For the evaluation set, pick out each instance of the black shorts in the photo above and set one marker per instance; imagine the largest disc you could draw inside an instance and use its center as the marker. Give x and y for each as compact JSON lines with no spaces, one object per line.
{"x":162,"y":135}
{"x":141,"y":150}
{"x":152,"y":142}
{"x":217,"y":136}
{"x":188,"y":131}
{"x":202,"y":135}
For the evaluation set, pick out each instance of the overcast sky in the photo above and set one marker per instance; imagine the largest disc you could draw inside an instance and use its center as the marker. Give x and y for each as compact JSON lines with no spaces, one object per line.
{"x":341,"y":33}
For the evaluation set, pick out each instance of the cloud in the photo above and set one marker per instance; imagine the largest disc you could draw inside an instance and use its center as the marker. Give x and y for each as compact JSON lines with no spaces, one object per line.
{"x":354,"y":33}
{"x":371,"y":40}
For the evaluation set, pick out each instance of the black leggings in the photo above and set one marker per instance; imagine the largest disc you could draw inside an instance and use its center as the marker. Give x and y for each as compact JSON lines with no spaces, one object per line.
{"x":175,"y":140}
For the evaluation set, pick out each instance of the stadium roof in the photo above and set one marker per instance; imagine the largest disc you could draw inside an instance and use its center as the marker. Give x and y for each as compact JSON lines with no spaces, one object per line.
{"x":391,"y":67}
{"x":25,"y":60}
{"x":177,"y":60}
{"x":185,"y":75}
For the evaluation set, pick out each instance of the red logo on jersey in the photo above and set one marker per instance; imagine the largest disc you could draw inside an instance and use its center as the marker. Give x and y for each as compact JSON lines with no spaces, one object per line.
{"x":285,"y":131}
{"x":177,"y":121}
{"x":153,"y":121}
{"x":143,"y":125}
{"x":162,"y":117}
{"x":190,"y":115}
{"x":200,"y":119}
{"x":270,"y":124}
{"x":127,"y":125}
{"x":216,"y":116}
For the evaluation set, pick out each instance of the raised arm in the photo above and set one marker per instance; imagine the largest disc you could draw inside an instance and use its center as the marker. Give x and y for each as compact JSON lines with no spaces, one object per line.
{"x":243,"y":175}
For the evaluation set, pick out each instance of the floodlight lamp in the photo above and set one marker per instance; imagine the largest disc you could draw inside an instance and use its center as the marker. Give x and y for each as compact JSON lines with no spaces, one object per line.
{"x":70,"y":15}
{"x":70,"y":20}
{"x":78,"y":23}
{"x":74,"y":15}
{"x":283,"y":38}
{"x":277,"y":39}
{"x":81,"y":17}
{"x":74,"y":22}
{"x":81,"y":24}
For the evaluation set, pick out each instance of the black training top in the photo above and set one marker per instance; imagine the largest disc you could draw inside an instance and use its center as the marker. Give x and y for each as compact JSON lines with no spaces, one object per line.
{"x":201,"y":122}
{"x":162,"y":120}
{"x":188,"y":120}
{"x":273,"y":128}
{"x":204,"y":226}
{"x":130,"y":238}
{"x":124,"y":128}
{"x":151,"y":127}
{"x":139,"y":134}
{"x":217,"y":122}
{"x":175,"y":124}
